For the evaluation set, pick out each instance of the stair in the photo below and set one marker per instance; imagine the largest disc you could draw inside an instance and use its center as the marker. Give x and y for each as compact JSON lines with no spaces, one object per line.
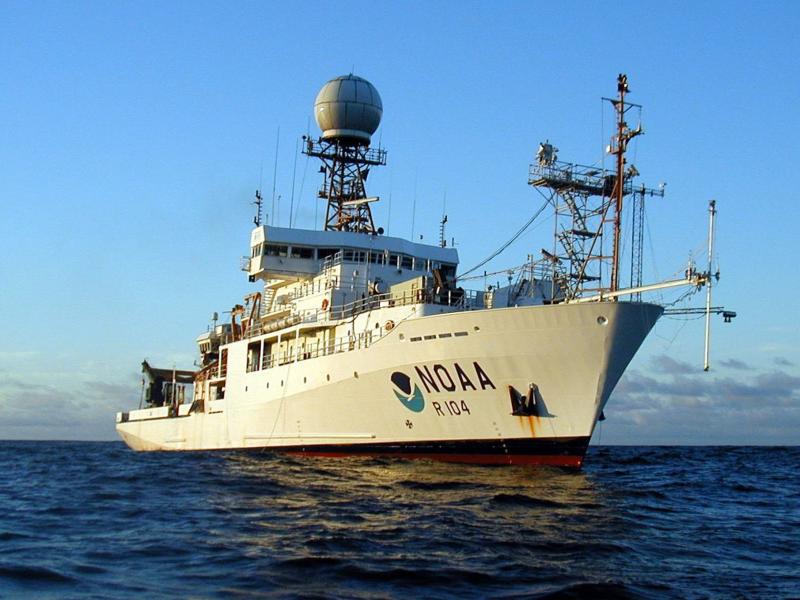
{"x":266,"y":301}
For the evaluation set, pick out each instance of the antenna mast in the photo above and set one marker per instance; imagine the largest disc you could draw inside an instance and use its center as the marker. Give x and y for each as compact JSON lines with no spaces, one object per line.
{"x":712,"y":212}
{"x":619,"y":144}
{"x":275,"y":173}
{"x":259,"y":203}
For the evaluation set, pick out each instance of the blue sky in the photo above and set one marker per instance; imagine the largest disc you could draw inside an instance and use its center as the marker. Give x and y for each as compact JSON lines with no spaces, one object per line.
{"x":135,"y":133}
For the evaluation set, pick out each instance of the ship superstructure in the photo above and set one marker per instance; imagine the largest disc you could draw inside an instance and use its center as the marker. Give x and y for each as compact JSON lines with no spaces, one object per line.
{"x":360,"y":343}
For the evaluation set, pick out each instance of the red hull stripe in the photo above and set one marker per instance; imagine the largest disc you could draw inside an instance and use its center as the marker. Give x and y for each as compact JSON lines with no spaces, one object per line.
{"x":560,"y":452}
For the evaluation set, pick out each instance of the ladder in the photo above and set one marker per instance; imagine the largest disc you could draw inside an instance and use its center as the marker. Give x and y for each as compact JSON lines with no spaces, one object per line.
{"x":266,"y":301}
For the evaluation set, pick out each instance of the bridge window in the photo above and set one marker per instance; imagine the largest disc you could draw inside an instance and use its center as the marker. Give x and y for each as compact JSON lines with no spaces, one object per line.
{"x":300,"y":252}
{"x":326,"y":252}
{"x":354,"y":256}
{"x":407,"y":262}
{"x":276,"y":250}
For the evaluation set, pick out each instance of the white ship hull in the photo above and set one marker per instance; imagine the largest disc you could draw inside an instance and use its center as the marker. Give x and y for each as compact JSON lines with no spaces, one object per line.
{"x":554,"y":365}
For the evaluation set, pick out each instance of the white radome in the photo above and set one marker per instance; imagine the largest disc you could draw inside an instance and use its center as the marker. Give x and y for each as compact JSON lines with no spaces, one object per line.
{"x":348,"y":107}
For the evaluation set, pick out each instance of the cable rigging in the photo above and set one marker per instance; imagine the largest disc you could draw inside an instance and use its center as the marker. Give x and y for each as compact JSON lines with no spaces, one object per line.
{"x":508,"y":243}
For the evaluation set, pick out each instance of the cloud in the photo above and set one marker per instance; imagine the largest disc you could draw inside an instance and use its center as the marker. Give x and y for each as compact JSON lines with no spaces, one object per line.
{"x":673,"y":403}
{"x":667,"y":364}
{"x":733,"y":363}
{"x":39,"y":410}
{"x":783,"y":362}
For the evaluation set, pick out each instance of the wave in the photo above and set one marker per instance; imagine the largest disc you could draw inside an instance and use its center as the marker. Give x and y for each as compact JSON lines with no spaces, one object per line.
{"x":25,"y":573}
{"x":417,"y":577}
{"x":660,"y":522}
{"x":523,"y":500}
{"x":607,"y":591}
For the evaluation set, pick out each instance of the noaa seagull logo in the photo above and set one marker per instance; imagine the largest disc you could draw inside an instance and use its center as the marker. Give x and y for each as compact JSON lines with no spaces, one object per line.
{"x":414,"y":402}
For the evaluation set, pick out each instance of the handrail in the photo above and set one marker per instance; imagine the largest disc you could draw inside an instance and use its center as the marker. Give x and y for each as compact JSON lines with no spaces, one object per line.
{"x":341,"y":344}
{"x":460,"y":300}
{"x":352,"y":309}
{"x":463,"y":300}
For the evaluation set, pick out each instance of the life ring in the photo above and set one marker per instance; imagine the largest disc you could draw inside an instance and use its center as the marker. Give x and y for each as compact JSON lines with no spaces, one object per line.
{"x":325,"y":304}
{"x":389,"y":325}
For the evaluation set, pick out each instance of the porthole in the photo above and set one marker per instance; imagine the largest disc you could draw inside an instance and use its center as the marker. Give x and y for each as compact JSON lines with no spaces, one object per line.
{"x":601,"y":320}
{"x":476,"y":328}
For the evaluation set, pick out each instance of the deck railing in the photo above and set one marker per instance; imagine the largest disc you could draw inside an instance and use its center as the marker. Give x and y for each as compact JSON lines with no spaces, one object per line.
{"x":334,"y":346}
{"x":458,"y":299}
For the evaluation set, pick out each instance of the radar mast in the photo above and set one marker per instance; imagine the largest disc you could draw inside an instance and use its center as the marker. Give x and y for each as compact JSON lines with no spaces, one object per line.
{"x":348,"y":110}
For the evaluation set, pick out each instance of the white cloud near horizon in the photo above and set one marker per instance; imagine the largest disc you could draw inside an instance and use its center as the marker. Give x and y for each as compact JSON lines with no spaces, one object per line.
{"x":670,"y":402}
{"x":85,"y":410}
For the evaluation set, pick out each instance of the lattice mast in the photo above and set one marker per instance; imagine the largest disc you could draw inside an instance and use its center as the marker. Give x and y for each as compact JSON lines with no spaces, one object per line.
{"x":637,"y":233}
{"x":346,"y":164}
{"x":588,"y":204}
{"x":348,"y":110}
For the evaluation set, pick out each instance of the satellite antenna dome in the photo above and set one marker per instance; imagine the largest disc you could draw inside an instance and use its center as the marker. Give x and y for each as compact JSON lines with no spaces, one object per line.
{"x":348,"y":108}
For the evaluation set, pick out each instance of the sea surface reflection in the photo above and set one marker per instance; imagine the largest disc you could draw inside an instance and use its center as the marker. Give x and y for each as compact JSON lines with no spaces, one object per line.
{"x":95,"y":520}
{"x":396,"y":524}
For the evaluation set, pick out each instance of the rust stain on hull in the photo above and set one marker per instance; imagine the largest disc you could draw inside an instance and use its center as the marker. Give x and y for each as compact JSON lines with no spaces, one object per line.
{"x":530,"y":423}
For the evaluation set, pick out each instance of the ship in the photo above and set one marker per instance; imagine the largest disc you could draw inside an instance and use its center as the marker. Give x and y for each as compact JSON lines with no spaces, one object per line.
{"x":356,"y":343}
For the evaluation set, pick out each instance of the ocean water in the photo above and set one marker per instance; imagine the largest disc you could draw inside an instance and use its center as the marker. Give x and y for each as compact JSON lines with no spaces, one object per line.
{"x":95,"y":520}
